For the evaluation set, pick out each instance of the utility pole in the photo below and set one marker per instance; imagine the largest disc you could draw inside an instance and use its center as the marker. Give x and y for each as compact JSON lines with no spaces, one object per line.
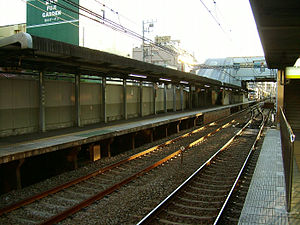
{"x":146,"y":29}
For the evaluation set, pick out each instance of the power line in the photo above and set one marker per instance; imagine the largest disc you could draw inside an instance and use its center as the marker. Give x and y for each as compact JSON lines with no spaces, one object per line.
{"x":215,"y":19}
{"x":100,"y":19}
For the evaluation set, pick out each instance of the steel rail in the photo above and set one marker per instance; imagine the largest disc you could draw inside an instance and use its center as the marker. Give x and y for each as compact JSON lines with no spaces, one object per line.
{"x":147,"y":219}
{"x":59,"y":217}
{"x":44,"y":194}
{"x":241,"y":170}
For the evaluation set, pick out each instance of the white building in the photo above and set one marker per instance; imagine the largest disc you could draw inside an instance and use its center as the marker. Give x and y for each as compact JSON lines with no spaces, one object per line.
{"x":168,"y":55}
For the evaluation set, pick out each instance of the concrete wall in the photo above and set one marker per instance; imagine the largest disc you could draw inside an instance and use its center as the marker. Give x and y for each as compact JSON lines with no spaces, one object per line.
{"x":133,"y":101}
{"x":114,"y":102}
{"x":60,"y":104}
{"x":91,"y":103}
{"x":226,"y":97}
{"x":19,"y":103}
{"x":19,"y":106}
{"x":147,"y":101}
{"x":160,"y":100}
{"x":169,"y":98}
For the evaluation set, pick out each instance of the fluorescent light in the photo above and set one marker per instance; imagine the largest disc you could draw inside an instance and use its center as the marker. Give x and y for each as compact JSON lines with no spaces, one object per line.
{"x":184,"y":82}
{"x":138,"y":76}
{"x":164,"y":79}
{"x":297,"y":63}
{"x":206,"y":86}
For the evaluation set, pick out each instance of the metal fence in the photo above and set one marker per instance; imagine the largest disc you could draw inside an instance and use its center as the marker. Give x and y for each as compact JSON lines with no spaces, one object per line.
{"x":287,"y":141}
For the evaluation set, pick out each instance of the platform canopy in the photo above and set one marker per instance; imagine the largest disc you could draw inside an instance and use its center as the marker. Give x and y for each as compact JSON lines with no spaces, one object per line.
{"x":24,"y":51}
{"x":278,"y":24}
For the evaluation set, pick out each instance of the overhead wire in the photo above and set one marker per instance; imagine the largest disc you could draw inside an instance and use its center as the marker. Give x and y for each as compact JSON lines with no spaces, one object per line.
{"x":109,"y":23}
{"x":215,"y":19}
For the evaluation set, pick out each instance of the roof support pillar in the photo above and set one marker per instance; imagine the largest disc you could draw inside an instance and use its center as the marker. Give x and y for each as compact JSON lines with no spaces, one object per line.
{"x":174,"y":97}
{"x":190,"y":97}
{"x":141,"y":98}
{"x":280,"y":91}
{"x":42,"y":123}
{"x":154,"y":98}
{"x":165,"y":98}
{"x":77,"y":99}
{"x":124,"y":99}
{"x":181,"y":98}
{"x":104,"y":100}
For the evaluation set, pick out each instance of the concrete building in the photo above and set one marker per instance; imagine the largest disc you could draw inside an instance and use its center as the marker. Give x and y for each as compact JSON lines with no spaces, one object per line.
{"x":165,"y":52}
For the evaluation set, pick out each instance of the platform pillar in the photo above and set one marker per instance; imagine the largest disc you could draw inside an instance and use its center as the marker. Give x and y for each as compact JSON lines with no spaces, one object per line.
{"x":174,"y":97}
{"x":107,"y":147}
{"x":280,"y":91}
{"x":154,"y":99}
{"x":151,"y":134}
{"x":77,"y":99}
{"x":141,"y":98}
{"x":42,"y":123}
{"x":181,"y":98}
{"x":178,"y":126}
{"x":190,"y":97}
{"x":133,"y":141}
{"x":95,"y":152}
{"x":72,"y":156}
{"x":18,"y":174}
{"x":124,"y":99}
{"x":104,"y":100}
{"x":165,"y":98}
{"x":166,"y":130}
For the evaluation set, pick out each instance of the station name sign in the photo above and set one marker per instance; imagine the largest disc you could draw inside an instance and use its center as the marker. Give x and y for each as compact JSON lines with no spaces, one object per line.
{"x":53,"y":19}
{"x":292,"y":72}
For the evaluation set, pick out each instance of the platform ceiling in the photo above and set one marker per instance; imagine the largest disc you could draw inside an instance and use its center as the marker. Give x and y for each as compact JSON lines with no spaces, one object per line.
{"x":278,"y":24}
{"x":23,"y":51}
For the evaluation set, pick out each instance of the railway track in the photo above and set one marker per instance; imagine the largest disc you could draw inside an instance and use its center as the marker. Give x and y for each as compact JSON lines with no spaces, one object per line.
{"x":56,"y":204}
{"x":202,"y":198}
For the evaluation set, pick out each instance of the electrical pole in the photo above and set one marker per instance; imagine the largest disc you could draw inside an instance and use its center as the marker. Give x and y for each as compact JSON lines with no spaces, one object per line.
{"x":151,"y":24}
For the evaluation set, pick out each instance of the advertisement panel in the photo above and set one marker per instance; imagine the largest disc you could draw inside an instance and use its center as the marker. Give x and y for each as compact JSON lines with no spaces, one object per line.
{"x":54,"y":19}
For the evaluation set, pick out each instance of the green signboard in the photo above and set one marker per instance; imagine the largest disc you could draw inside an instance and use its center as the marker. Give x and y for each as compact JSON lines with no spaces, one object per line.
{"x":54,"y":19}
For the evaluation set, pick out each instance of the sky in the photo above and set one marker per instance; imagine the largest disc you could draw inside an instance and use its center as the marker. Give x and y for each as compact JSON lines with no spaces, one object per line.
{"x":234,"y":34}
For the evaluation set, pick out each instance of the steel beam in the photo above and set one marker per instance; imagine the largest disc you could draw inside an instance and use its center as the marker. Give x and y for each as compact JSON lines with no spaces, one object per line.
{"x":141,"y":98}
{"x":181,"y":98}
{"x":154,"y":99}
{"x":42,"y":123}
{"x":174,"y":97}
{"x":165,"y":98}
{"x":124,"y":99}
{"x":77,"y":100}
{"x":104,"y":114}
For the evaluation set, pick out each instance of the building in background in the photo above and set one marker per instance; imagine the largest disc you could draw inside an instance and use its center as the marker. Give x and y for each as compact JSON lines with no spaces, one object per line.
{"x":261,"y":90}
{"x":165,"y":52}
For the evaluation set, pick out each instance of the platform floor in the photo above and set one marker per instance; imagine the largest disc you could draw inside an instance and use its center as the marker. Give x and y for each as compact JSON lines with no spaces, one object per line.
{"x":23,"y":146}
{"x":265,"y":201}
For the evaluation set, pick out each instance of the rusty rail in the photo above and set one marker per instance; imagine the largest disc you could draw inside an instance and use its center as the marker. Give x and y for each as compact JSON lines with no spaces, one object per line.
{"x":34,"y":198}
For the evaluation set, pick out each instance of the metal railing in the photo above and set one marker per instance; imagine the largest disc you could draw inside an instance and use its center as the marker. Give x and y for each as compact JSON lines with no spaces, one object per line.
{"x":287,"y":143}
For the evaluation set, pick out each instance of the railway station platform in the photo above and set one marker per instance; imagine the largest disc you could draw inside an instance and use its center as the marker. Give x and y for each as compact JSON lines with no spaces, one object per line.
{"x":266,"y":199}
{"x":24,"y":146}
